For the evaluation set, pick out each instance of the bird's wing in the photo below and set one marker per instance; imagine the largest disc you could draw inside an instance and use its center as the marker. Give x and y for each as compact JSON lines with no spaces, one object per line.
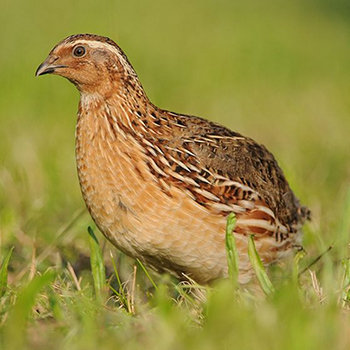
{"x":228,"y":172}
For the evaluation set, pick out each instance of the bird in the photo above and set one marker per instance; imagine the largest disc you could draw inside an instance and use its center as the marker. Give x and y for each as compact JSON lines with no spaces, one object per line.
{"x":160,"y":185}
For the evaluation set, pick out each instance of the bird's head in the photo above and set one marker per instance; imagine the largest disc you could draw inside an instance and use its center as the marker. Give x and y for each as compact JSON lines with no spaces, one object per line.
{"x":93,"y":63}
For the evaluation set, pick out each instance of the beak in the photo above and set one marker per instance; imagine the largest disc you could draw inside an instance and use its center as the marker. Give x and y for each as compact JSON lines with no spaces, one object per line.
{"x":48,"y":66}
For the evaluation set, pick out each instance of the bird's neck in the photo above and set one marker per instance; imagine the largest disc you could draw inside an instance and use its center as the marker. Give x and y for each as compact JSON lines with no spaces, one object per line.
{"x":127,"y":109}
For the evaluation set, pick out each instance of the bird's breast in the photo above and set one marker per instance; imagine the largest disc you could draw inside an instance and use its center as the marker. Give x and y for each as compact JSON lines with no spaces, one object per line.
{"x":168,"y":229}
{"x":111,"y":175}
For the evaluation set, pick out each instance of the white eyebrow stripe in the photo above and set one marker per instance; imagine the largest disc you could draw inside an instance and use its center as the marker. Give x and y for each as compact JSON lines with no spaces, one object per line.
{"x":92,"y":43}
{"x":95,"y":44}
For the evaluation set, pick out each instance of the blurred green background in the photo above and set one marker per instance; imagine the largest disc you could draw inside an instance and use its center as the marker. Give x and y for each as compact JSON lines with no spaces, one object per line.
{"x":276,"y":71}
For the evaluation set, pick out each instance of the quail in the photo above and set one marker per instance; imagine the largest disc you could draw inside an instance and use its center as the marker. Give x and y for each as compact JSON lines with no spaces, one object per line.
{"x":160,"y":185}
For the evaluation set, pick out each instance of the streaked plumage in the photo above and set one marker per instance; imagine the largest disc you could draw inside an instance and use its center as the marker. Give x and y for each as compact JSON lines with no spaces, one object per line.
{"x":160,"y":185}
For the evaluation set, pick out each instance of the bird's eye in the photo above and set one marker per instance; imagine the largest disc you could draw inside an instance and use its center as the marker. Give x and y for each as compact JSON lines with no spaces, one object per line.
{"x":79,"y":51}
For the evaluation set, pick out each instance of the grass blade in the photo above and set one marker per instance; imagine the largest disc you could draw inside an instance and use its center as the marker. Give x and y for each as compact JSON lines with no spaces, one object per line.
{"x":344,"y":226}
{"x":346,"y":283}
{"x":147,"y":274}
{"x":316,"y":260}
{"x":259,"y":268}
{"x":14,"y":335}
{"x":231,"y":249}
{"x":296,"y":265}
{"x":96,"y":263}
{"x":4,"y":273}
{"x":121,"y":294}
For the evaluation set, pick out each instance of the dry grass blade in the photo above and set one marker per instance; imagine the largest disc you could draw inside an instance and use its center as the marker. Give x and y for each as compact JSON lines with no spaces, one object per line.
{"x":317,"y":286}
{"x":133,"y":289}
{"x":74,"y":276}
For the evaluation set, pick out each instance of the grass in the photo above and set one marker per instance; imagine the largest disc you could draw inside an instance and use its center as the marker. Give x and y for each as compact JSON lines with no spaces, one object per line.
{"x":273,"y":70}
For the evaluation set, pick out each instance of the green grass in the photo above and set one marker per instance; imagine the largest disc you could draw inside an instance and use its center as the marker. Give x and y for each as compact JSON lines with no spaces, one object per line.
{"x":273,"y":70}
